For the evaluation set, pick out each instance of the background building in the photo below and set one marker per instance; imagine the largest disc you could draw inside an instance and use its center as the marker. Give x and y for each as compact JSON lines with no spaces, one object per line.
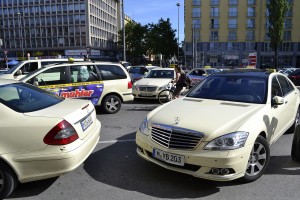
{"x":59,"y":27}
{"x":224,"y":32}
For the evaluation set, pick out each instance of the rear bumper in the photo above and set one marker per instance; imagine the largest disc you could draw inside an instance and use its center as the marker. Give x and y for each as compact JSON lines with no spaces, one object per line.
{"x":37,"y":165}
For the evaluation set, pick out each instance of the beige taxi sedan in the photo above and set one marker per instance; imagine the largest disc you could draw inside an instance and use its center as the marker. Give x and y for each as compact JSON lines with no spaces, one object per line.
{"x":223,"y":128}
{"x":42,"y":135}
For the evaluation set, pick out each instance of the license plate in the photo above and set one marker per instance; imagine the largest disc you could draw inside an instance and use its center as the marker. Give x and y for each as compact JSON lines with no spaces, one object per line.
{"x":86,"y":123}
{"x":146,"y":94}
{"x":168,"y":157}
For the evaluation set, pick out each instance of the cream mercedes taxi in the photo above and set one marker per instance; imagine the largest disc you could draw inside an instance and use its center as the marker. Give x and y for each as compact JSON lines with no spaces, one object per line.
{"x":223,"y":128}
{"x":42,"y":135}
{"x":153,"y":83}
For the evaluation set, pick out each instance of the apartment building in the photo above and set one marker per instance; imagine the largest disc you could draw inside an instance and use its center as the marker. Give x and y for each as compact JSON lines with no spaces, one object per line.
{"x":65,"y":27}
{"x":224,"y":32}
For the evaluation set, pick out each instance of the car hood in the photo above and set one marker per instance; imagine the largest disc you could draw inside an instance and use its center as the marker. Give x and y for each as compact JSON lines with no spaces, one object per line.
{"x":154,"y":81}
{"x":211,"y":117}
{"x":4,"y":75}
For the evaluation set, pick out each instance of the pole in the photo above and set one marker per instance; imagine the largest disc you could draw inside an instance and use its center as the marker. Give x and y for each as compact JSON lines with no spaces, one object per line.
{"x":178,"y":5}
{"x":123,"y":23}
{"x":21,"y":34}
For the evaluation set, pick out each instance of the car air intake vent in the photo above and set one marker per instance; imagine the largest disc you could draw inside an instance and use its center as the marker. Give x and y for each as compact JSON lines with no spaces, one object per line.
{"x":174,"y":137}
{"x":147,"y":88}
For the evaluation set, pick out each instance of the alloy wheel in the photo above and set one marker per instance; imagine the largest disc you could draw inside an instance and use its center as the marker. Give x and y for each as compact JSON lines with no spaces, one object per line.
{"x":257,"y":160}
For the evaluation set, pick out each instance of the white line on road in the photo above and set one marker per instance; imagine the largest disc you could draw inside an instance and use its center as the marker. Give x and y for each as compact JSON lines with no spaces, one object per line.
{"x":115,"y":141}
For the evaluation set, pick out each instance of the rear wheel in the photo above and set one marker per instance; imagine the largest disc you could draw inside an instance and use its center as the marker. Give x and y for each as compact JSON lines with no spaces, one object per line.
{"x":295,"y":152}
{"x":8,"y":181}
{"x":258,"y":160}
{"x":165,"y":96}
{"x":111,"y":104}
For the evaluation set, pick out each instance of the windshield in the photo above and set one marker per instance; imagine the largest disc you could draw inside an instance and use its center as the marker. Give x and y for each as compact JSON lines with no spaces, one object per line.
{"x":232,"y":88}
{"x":161,"y":74}
{"x":137,"y":70}
{"x":24,"y":98}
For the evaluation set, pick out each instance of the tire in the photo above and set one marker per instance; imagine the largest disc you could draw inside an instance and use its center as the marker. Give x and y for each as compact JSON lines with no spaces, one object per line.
{"x":165,"y":96}
{"x":8,"y":181}
{"x":111,"y":104}
{"x":292,"y":129}
{"x":295,"y":152}
{"x":258,"y":160}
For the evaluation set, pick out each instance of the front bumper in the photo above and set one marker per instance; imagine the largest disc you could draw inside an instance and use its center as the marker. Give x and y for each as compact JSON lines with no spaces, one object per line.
{"x":145,"y":95}
{"x":198,"y":162}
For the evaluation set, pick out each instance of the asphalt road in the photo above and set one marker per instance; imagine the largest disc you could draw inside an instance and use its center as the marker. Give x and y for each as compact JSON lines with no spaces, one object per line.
{"x":114,"y":171}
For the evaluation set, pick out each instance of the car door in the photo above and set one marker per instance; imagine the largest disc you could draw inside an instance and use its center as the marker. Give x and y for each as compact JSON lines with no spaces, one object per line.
{"x":290,"y":95}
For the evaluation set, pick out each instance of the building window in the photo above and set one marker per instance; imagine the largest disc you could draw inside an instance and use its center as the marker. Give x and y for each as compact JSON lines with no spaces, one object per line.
{"x":232,"y":12}
{"x":214,"y":23}
{"x":232,"y":23}
{"x":233,"y":2}
{"x":214,"y":12}
{"x":287,"y":35}
{"x":251,"y":2}
{"x":214,"y":35}
{"x":232,"y":46}
{"x":214,"y":2}
{"x":214,"y":46}
{"x":251,"y":23}
{"x":196,"y":2}
{"x":286,"y":46}
{"x":232,"y":35}
{"x":250,"y":35}
{"x":288,"y":24}
{"x":196,"y":23}
{"x":289,"y":13}
{"x":251,"y":12}
{"x":250,"y":46}
{"x":196,"y":12}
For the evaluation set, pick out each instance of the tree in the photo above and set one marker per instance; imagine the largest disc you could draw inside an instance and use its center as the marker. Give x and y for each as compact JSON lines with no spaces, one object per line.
{"x":277,"y":11}
{"x":161,"y":39}
{"x":134,"y":40}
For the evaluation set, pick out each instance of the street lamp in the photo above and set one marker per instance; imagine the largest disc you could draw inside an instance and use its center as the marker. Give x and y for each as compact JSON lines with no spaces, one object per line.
{"x":21,"y":34}
{"x":178,"y":5}
{"x":123,"y":22}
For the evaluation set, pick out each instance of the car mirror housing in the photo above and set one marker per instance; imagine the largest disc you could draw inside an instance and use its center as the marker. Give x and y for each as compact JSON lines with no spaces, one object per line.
{"x":277,"y":100}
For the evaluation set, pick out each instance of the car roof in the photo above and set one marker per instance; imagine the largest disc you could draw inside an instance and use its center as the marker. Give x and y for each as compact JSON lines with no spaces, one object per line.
{"x":160,"y":68}
{"x":7,"y":81}
{"x":245,"y":72}
{"x":81,"y":63}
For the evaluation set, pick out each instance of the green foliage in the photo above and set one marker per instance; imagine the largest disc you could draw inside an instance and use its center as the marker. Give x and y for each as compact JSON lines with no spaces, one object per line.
{"x":150,"y":39}
{"x":277,"y":11}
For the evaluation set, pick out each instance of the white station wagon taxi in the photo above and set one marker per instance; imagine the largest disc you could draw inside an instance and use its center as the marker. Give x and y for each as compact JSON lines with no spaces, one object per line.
{"x":223,"y":128}
{"x":106,"y":84}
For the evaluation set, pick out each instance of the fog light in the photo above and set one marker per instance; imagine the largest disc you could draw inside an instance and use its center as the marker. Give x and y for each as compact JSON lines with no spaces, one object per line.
{"x":215,"y":171}
{"x":224,"y":171}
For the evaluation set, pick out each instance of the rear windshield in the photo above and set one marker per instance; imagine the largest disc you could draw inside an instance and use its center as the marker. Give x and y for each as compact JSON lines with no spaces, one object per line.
{"x":22,"y":97}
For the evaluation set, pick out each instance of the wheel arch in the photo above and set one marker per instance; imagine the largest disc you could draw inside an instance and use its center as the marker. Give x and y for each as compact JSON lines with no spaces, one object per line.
{"x":4,"y":162}
{"x":112,"y":93}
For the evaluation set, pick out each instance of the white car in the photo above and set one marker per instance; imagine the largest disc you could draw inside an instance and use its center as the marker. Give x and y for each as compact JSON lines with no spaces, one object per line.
{"x":223,"y":128}
{"x":42,"y":135}
{"x":153,"y":83}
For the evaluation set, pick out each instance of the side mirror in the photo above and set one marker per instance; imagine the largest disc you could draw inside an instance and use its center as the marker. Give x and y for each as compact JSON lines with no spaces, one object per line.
{"x":277,"y":100}
{"x":19,"y":72}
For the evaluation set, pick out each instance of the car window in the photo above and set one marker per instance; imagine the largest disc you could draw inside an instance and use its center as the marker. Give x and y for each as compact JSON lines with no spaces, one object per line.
{"x":160,"y":74}
{"x":276,"y":89}
{"x":23,"y":97}
{"x":83,"y":73}
{"x":50,"y":76}
{"x":239,"y":89}
{"x":28,"y":67}
{"x":138,"y":70}
{"x":285,"y":85}
{"x":111,"y":72}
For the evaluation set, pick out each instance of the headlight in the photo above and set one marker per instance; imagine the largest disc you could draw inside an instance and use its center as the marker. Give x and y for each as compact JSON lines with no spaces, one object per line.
{"x":144,"y":126}
{"x":163,"y":87}
{"x":228,"y":142}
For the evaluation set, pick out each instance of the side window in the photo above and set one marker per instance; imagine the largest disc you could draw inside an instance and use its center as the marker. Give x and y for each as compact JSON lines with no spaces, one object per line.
{"x":285,"y":86}
{"x":111,"y":72}
{"x":50,"y":76}
{"x":276,"y":90}
{"x":29,"y":67}
{"x":83,"y":73}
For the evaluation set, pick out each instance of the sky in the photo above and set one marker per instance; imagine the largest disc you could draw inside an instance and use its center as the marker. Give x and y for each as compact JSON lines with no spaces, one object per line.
{"x":148,"y":11}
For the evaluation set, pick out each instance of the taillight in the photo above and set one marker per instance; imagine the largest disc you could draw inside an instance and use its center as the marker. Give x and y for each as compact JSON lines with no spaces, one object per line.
{"x":295,"y":77}
{"x":129,"y":84}
{"x":61,"y":134}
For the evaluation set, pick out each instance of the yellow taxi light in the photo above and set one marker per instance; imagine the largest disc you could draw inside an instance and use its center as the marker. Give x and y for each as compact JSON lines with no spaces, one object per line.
{"x":71,"y":60}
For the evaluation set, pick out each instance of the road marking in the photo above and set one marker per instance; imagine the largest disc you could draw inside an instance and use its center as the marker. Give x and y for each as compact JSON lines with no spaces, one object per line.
{"x":115,"y":141}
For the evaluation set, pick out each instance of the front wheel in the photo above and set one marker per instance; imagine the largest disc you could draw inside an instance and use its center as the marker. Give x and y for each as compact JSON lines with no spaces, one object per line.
{"x":111,"y":104}
{"x":295,"y":152}
{"x":8,"y":181}
{"x":258,"y":160}
{"x":165,"y":96}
